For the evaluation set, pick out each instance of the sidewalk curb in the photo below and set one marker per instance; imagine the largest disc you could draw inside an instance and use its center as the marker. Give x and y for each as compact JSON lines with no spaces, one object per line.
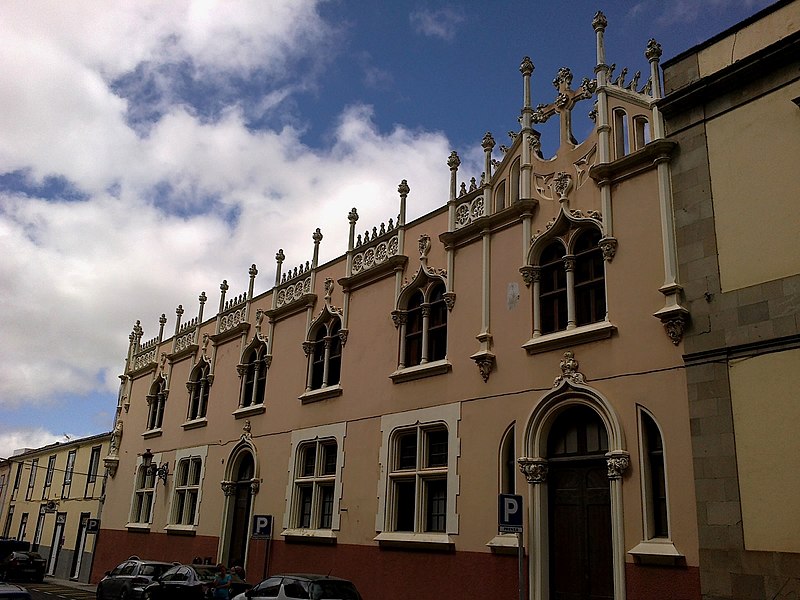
{"x":89,"y":587}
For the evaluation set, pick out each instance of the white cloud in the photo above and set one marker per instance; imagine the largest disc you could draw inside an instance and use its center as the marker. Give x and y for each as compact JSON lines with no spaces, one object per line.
{"x":77,"y":274}
{"x":26,"y":438}
{"x":442,"y":22}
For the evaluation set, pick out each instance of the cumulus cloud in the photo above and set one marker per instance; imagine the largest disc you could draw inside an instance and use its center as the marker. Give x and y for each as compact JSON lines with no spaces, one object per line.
{"x":154,"y":217}
{"x":11,"y":441}
{"x":442,"y":22}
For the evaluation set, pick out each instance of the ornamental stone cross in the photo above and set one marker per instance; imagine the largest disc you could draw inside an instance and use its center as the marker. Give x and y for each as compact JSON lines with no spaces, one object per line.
{"x":564,"y":103}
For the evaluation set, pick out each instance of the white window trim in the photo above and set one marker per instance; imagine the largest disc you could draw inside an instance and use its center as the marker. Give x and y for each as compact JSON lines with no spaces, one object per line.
{"x":142,"y":525}
{"x":652,"y":550}
{"x":200,"y":452}
{"x":449,"y":415}
{"x":300,"y":437}
{"x":599,"y":330}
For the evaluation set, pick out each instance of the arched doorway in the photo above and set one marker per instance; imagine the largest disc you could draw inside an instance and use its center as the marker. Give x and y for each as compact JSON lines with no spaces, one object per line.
{"x":579,"y":506}
{"x":558,"y":467}
{"x":239,"y":490}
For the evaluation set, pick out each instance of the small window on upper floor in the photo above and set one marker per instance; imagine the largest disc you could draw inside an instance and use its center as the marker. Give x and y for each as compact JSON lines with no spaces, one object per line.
{"x":199,"y":386}
{"x":641,"y":132}
{"x":325,"y":358}
{"x":621,"y":143}
{"x":424,"y":335}
{"x":156,"y":401}
{"x":571,"y":287}
{"x":508,"y":463}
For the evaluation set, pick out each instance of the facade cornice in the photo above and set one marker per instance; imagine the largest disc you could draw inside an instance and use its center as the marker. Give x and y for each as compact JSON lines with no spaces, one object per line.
{"x":390,"y":266}
{"x":287,"y":310}
{"x":633,"y":163}
{"x":493,"y":222}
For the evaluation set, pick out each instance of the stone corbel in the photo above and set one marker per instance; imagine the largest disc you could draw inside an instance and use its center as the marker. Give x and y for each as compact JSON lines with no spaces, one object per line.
{"x":111,"y":463}
{"x":673,"y":316}
{"x":450,"y":300}
{"x":530,"y":274}
{"x":485,"y":362}
{"x":618,"y":462}
{"x":398,"y":318}
{"x":608,"y":246}
{"x":534,"y":469}
{"x":343,"y":333}
{"x":228,"y":487}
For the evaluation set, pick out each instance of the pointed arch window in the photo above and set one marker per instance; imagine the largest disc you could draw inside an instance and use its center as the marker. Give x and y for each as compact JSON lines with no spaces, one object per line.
{"x":323,"y":348}
{"x":567,"y":271}
{"x":253,"y":371}
{"x":156,"y":401}
{"x":654,"y":479}
{"x":199,"y":386}
{"x":424,"y":333}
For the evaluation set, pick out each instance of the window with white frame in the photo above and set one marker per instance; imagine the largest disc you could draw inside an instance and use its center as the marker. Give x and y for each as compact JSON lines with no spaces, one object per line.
{"x":23,"y":526}
{"x":314,"y":487}
{"x":654,"y":478}
{"x":314,"y":483}
{"x":48,"y":478}
{"x":9,"y":518}
{"x":424,"y":333}
{"x":17,"y":478}
{"x":324,"y":350}
{"x":199,"y":385}
{"x":32,"y":479}
{"x":91,"y":474}
{"x":68,"y":472}
{"x":143,"y":495}
{"x":37,"y":534}
{"x":187,"y":490}
{"x":253,"y":371}
{"x":156,"y":401}
{"x":419,"y":482}
{"x":569,"y":282}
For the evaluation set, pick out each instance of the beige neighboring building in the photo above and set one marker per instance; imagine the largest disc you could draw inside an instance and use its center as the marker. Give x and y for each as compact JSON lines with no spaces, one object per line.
{"x":733,"y":107}
{"x":51,"y":495}
{"x":524,"y":338}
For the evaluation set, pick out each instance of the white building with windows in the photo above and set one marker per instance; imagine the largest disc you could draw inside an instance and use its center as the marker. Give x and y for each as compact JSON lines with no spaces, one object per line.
{"x":524,"y":338}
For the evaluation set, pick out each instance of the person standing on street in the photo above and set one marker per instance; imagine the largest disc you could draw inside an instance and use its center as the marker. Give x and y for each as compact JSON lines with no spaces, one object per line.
{"x":222,"y":583}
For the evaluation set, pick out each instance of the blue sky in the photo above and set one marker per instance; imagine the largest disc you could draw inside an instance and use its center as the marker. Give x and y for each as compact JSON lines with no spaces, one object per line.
{"x":150,"y":150}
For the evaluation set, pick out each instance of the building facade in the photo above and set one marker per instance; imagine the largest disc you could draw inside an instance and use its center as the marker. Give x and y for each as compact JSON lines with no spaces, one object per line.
{"x":524,"y":338}
{"x":733,"y":107}
{"x":50,"y":496}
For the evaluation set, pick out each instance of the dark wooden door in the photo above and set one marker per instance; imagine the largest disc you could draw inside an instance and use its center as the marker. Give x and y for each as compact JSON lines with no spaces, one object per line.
{"x":580,"y":530}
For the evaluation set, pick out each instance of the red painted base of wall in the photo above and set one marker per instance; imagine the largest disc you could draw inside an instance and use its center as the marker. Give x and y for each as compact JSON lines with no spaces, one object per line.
{"x":388,"y":574}
{"x":662,"y":583}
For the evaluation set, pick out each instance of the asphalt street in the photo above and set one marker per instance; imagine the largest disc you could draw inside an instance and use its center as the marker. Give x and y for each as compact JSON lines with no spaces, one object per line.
{"x":49,"y":590}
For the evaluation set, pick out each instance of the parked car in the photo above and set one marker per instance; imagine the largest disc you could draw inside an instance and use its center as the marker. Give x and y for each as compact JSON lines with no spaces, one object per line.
{"x":9,"y":591}
{"x":189,"y":582}
{"x":302,"y":587}
{"x":128,"y":580}
{"x":21,"y":564}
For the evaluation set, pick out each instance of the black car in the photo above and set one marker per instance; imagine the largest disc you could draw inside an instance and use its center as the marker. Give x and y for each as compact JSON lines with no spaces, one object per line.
{"x":189,"y":582}
{"x":21,"y":564}
{"x":128,"y":580}
{"x":302,"y":587}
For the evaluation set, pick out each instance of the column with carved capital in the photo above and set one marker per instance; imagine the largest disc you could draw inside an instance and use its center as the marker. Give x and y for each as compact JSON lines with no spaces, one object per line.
{"x":534,"y":469}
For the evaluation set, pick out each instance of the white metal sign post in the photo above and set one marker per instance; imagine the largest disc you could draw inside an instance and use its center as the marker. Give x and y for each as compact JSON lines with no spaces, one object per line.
{"x":509,"y":520}
{"x":262,"y":530}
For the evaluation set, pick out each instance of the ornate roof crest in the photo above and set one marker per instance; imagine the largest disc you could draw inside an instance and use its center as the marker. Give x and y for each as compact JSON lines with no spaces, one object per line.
{"x":569,"y":371}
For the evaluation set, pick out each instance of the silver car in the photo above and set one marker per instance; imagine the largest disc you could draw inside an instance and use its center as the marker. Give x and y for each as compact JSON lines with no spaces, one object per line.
{"x":127,"y":580}
{"x":9,"y":591}
{"x":302,"y":587}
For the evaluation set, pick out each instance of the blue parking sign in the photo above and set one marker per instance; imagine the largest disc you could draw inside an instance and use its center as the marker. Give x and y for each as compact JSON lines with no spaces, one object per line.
{"x":262,"y":526}
{"x":509,"y":513}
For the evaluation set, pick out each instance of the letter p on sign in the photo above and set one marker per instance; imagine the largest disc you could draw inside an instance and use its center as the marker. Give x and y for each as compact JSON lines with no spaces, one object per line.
{"x":509,"y":518}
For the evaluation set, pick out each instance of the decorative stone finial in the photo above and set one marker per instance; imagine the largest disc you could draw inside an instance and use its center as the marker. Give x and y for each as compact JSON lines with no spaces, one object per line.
{"x":352,"y":216}
{"x":453,"y":161}
{"x":526,"y":66}
{"x":569,"y":370}
{"x":280,"y":256}
{"x":488,"y":142}
{"x":202,"y":298}
{"x":403,"y":188}
{"x":424,"y":246}
{"x":223,"y":287}
{"x":317,"y":236}
{"x":179,"y":310}
{"x":328,"y":289}
{"x":653,"y":51}
{"x":599,"y":23}
{"x":162,"y":320}
{"x":253,"y":270}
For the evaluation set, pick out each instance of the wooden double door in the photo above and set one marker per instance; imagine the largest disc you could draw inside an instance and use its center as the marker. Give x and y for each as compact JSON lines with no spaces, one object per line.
{"x":579,"y":507}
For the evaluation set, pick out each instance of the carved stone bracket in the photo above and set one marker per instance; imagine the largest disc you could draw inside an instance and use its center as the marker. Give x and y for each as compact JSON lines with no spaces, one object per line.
{"x":308,"y":347}
{"x":485,"y":362}
{"x":255,"y":485}
{"x":530,"y":274}
{"x":228,"y":487}
{"x":675,"y":328}
{"x":534,"y":469}
{"x":111,"y":463}
{"x":450,"y":300}
{"x":343,"y":333}
{"x":399,"y":317}
{"x":674,"y":317}
{"x":618,"y":462}
{"x":608,"y":246}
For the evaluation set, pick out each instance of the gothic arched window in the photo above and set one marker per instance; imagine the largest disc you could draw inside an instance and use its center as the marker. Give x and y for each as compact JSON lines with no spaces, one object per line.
{"x":199,"y":386}
{"x":253,"y":370}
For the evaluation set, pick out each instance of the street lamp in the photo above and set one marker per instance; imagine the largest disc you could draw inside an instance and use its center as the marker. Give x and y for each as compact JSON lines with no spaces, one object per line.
{"x":153,"y":469}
